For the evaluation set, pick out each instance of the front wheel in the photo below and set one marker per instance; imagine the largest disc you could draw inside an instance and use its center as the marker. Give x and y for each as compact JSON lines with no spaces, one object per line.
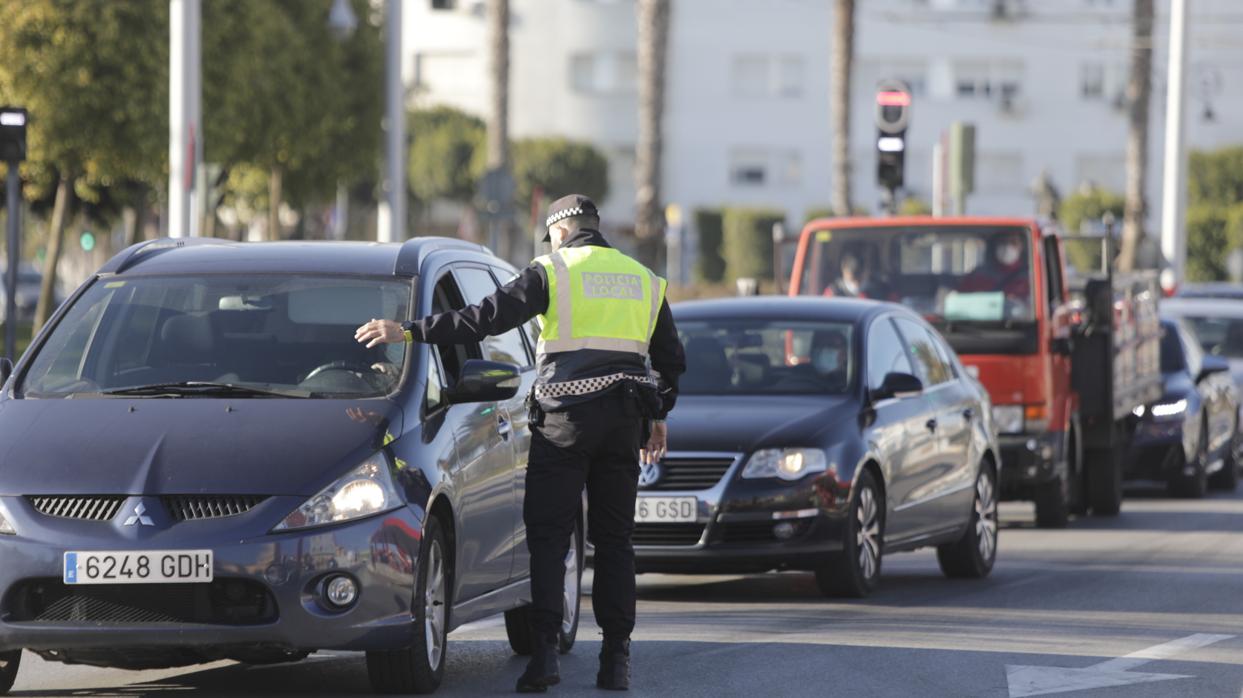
{"x":972,"y":556}
{"x":1053,"y":503}
{"x":1190,"y":485}
{"x":9,"y":663}
{"x":421,"y":667}
{"x":518,"y":620}
{"x":1104,"y":481}
{"x":855,"y":571}
{"x":1227,"y":479}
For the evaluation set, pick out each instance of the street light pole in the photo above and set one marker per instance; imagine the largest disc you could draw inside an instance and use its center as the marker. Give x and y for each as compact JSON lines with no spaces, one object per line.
{"x":184,"y":115}
{"x":1174,"y":189}
{"x":392,"y":213}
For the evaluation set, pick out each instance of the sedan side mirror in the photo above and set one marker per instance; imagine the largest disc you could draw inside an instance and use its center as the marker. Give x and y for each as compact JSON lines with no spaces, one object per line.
{"x":485,"y":381}
{"x":6,"y":370}
{"x":898,"y":385}
{"x":1210,"y":365}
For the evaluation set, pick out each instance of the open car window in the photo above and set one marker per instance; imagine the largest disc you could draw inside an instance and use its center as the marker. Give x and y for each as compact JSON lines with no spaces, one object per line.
{"x":288,"y":335}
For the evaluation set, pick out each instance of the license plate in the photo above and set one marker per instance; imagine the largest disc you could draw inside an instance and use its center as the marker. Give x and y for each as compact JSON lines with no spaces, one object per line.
{"x":666,"y":509}
{"x":138,"y":567}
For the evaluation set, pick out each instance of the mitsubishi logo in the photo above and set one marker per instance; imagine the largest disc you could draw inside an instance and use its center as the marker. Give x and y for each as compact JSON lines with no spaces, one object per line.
{"x":649,"y":474}
{"x":140,"y":516}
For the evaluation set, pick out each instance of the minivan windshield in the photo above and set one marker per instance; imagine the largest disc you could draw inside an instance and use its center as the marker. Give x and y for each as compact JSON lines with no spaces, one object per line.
{"x":766,"y":357}
{"x":243,"y":336}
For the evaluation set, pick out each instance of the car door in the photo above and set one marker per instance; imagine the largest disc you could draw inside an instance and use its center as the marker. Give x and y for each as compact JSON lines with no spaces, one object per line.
{"x":899,"y":433}
{"x":482,"y":476}
{"x":943,"y":473}
{"x":479,"y":282}
{"x":1213,"y":391}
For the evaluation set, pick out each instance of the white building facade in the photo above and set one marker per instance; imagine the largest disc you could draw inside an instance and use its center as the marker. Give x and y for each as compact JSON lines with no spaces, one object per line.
{"x":747,"y":107}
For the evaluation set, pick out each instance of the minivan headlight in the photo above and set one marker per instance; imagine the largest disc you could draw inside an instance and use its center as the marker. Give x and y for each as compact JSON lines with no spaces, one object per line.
{"x":787,"y":464}
{"x":366,"y":490}
{"x":1166,"y":410}
{"x":1008,"y":418}
{"x":6,"y":528}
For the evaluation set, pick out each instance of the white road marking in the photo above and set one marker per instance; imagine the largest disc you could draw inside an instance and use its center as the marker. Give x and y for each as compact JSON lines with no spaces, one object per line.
{"x":1043,"y":680}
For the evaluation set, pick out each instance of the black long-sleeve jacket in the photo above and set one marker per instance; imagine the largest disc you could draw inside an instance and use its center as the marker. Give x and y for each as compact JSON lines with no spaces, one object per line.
{"x":525,"y":297}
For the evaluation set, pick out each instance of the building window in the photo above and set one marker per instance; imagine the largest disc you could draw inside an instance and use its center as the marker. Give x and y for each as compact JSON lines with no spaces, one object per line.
{"x":758,"y":167}
{"x":913,"y":73}
{"x":444,"y":4}
{"x":604,"y":73}
{"x":754,"y":75}
{"x":988,"y":80}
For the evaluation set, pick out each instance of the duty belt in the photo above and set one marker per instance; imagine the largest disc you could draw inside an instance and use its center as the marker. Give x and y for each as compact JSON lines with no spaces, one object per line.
{"x":587,"y":386}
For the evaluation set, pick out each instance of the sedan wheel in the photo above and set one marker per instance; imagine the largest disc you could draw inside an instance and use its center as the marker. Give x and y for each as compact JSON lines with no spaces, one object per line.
{"x":855,"y":571}
{"x":973,"y":555}
{"x":1193,"y":485}
{"x":9,"y":663}
{"x":420,"y":668}
{"x":518,"y":620}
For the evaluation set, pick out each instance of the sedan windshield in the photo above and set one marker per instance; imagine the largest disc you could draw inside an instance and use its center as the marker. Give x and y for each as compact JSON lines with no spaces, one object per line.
{"x":222,"y":335}
{"x":1221,"y":336}
{"x":758,"y":357}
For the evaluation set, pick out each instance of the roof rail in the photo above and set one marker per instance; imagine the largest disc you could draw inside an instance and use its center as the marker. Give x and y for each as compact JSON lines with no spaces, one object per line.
{"x":416,"y":250}
{"x":134,"y":254}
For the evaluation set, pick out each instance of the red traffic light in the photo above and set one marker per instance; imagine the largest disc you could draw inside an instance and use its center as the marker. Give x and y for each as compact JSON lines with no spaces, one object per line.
{"x":893,"y":98}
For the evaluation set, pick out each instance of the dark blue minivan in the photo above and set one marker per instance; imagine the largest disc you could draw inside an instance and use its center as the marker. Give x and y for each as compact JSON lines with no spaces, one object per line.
{"x":199,"y":462}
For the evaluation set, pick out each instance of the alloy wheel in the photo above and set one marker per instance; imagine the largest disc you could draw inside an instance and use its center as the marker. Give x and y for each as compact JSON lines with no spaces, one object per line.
{"x":867,"y":539}
{"x":985,"y":517}
{"x":434,"y":605}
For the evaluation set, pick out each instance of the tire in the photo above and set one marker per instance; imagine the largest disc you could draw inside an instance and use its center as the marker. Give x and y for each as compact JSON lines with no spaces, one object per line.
{"x":421,"y":667}
{"x":1053,"y":503}
{"x":10,"y":662}
{"x":1227,"y":479}
{"x":1195,"y":485}
{"x":972,"y":556}
{"x":518,"y":620}
{"x":1104,"y":481}
{"x":855,"y":570}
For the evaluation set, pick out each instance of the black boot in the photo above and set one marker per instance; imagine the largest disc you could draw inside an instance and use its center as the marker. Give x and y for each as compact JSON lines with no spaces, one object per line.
{"x":543,"y":670}
{"x":614,"y":665}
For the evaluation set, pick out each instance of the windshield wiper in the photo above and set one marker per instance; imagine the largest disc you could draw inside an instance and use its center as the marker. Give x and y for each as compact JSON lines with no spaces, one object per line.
{"x":183,"y":388}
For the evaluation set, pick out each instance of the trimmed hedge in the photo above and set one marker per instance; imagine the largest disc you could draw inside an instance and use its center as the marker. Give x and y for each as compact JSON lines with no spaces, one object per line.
{"x":748,"y":242}
{"x":709,"y":264}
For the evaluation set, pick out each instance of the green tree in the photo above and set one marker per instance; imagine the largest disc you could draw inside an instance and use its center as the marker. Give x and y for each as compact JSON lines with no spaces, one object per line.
{"x":447,"y":155}
{"x":558,"y":167}
{"x":1216,"y":177}
{"x":748,"y":242}
{"x":94,"y":77}
{"x":1089,"y":205}
{"x":709,"y":264}
{"x":1212,"y":231}
{"x":914,"y":207}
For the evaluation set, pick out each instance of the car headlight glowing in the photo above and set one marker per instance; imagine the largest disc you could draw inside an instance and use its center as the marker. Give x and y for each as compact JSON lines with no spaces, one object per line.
{"x":1008,"y":418}
{"x":1169,"y":409}
{"x":366,"y":490}
{"x":6,"y":528}
{"x":787,"y":464}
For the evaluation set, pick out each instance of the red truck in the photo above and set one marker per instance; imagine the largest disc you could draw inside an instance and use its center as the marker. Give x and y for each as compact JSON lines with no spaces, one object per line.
{"x":1066,"y":354}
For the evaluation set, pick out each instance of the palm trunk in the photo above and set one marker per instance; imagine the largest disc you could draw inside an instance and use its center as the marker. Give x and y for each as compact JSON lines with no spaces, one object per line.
{"x":498,"y":117}
{"x":274,"y":204}
{"x":839,"y":107}
{"x":653,"y":50}
{"x":1138,"y":93}
{"x":56,"y":236}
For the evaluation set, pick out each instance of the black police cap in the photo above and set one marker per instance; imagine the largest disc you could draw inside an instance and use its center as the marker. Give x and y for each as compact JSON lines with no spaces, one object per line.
{"x":569,"y":207}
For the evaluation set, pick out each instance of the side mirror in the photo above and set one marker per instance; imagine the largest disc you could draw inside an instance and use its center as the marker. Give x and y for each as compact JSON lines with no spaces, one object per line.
{"x":1212,"y":364}
{"x":6,"y":370}
{"x":898,"y":385}
{"x":485,"y":381}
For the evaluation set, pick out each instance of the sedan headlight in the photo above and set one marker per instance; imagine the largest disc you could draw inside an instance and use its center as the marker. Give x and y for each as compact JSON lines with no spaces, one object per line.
{"x":787,"y":464}
{"x":1163,"y":410}
{"x":366,"y":490}
{"x":1008,"y":418}
{"x":6,"y":528}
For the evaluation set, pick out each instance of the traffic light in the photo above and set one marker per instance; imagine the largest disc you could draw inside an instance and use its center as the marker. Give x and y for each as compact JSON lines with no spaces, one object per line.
{"x":87,"y":241}
{"x":12,"y":134}
{"x":893,"y":114}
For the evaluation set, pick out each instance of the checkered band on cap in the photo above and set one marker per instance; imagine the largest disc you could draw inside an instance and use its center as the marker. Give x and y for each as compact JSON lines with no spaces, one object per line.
{"x":564,"y":214}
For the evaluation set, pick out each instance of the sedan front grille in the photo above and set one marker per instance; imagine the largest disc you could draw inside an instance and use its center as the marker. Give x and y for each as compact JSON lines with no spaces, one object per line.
{"x":198,"y":507}
{"x":221,"y":602}
{"x":683,"y":534}
{"x":688,"y":473}
{"x":82,"y":508}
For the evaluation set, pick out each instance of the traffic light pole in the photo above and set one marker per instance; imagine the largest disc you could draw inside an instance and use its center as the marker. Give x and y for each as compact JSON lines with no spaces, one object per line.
{"x":14,"y":251}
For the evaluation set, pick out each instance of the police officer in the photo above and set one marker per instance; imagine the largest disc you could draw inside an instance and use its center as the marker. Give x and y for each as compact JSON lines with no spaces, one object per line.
{"x":596,"y":407}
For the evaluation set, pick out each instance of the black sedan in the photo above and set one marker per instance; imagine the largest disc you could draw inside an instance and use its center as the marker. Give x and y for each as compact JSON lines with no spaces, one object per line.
{"x":1188,"y":439}
{"x":818,"y":435}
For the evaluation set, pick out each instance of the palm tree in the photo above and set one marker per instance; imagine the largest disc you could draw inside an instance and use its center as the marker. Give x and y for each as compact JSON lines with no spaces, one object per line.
{"x":498,"y":112}
{"x":840,"y":69}
{"x":1138,"y":94}
{"x":653,"y":49}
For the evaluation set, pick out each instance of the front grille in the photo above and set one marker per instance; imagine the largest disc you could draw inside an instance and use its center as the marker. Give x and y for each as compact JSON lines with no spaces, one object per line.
{"x":221,"y":602}
{"x":82,"y":508}
{"x":684,"y":473}
{"x":197,"y":507}
{"x":667,"y":533}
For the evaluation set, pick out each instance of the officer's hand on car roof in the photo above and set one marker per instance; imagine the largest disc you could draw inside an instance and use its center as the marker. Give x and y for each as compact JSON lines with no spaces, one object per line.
{"x":380,"y":332}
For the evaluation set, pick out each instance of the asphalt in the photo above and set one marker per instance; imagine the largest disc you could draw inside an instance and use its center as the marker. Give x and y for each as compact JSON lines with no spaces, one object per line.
{"x":1146,"y":604}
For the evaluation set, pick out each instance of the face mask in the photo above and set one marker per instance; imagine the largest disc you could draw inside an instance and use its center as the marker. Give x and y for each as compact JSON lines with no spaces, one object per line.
{"x":851,"y":286}
{"x":1008,"y":254}
{"x":826,"y":361}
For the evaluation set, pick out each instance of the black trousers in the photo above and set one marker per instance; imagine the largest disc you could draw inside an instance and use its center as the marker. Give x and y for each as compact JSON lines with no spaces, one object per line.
{"x":595,"y":444}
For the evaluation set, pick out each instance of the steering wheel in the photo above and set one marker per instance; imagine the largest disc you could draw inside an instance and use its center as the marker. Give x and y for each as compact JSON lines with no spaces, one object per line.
{"x":354,"y":366}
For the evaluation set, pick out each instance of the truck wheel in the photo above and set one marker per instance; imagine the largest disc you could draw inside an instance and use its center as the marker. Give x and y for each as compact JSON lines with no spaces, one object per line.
{"x":1227,"y":478}
{"x":1053,"y":503}
{"x":518,"y":620}
{"x":972,"y":556}
{"x":421,"y":667}
{"x":1191,"y":486}
{"x":1104,"y":481}
{"x":9,"y":663}
{"x":855,"y":571}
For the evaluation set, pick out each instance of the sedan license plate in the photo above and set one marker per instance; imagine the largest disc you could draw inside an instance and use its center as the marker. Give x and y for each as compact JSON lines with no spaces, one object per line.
{"x":139,"y":567}
{"x":666,"y":510}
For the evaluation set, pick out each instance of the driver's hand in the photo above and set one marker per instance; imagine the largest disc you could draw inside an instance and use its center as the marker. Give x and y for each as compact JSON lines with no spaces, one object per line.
{"x":386,"y":368}
{"x":380,"y":332}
